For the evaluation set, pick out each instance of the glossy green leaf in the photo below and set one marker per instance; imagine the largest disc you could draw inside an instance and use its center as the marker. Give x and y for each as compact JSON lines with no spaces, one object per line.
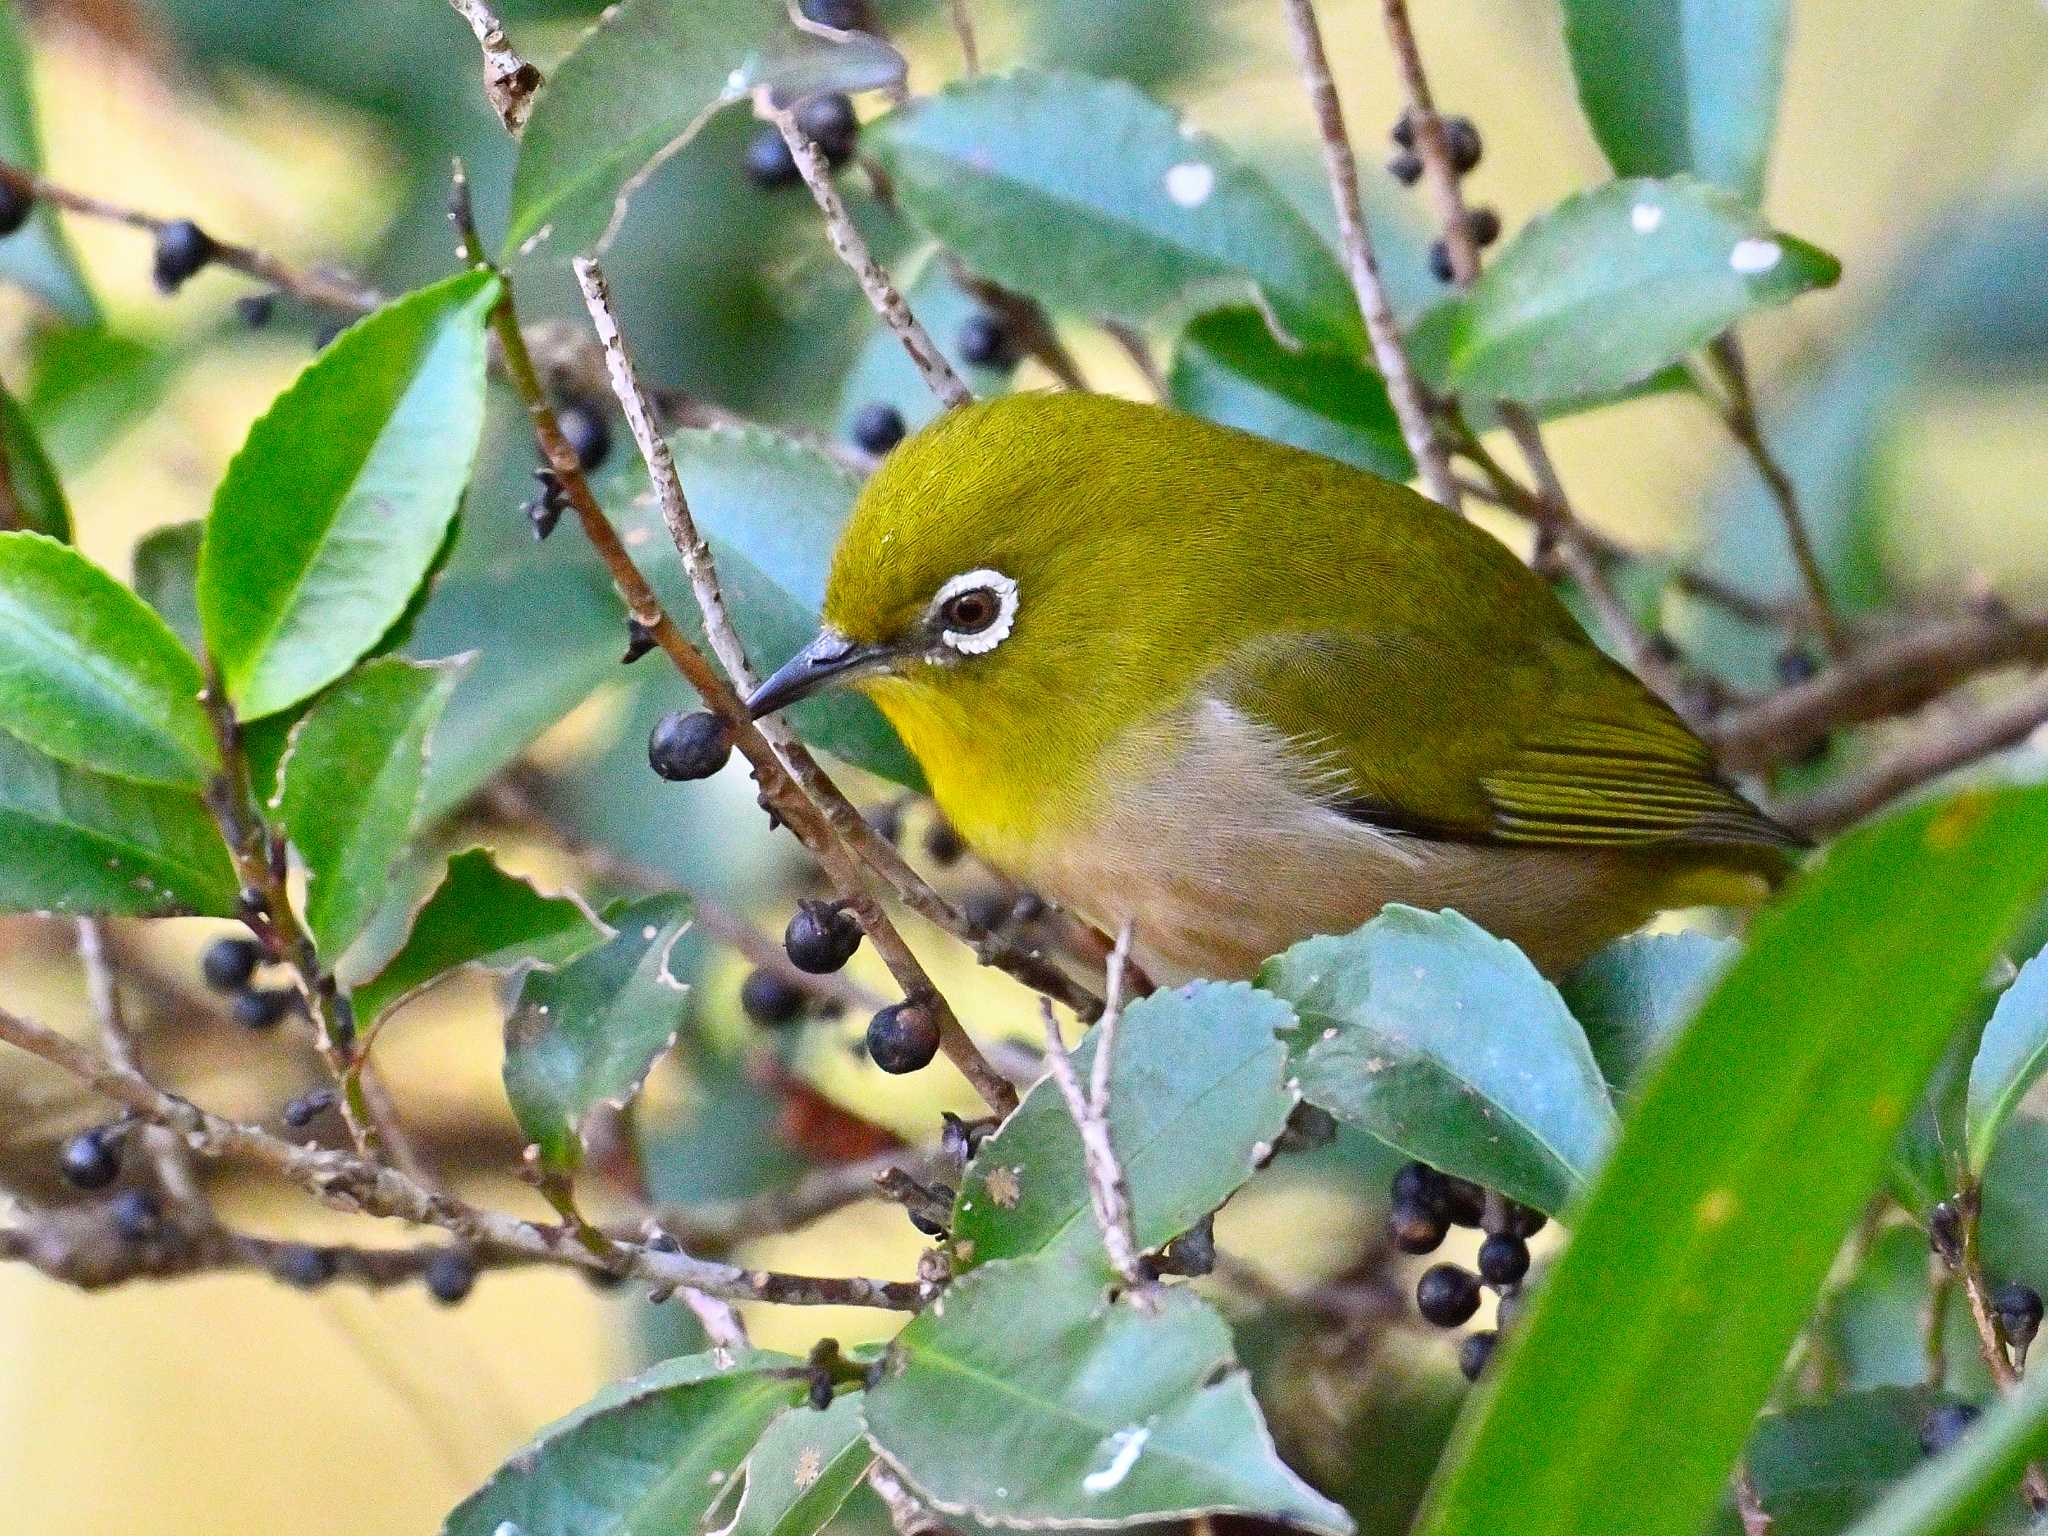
{"x":1873,"y":1332}
{"x":1695,"y":1258}
{"x":645,"y":1456}
{"x":73,"y":841}
{"x":1637,"y":993}
{"x":476,"y":915}
{"x":1427,"y":1031}
{"x":90,"y":675}
{"x":1196,"y":1090}
{"x":586,"y":1034}
{"x":2011,"y":1056}
{"x":802,"y":1470}
{"x":1095,"y":199}
{"x":771,"y":509}
{"x":166,"y":576}
{"x":39,"y":503}
{"x":87,"y":386}
{"x":1954,"y":1493}
{"x":1612,"y":285}
{"x":1228,"y":367}
{"x":339,"y":502}
{"x":641,"y":83}
{"x":1027,"y":1398}
{"x":884,"y":374}
{"x":37,"y":256}
{"x":1819,"y":1466}
{"x":351,"y":788}
{"x":1681,"y":85}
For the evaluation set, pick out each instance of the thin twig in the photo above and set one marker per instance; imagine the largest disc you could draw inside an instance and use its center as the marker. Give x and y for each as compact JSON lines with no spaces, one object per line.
{"x":1108,"y":1192}
{"x":509,"y":81}
{"x":1990,"y":1337}
{"x":357,"y":1184}
{"x":332,"y":289}
{"x":908,"y":1514}
{"x":882,"y":293}
{"x":1756,"y":1520}
{"x":1131,"y":342}
{"x":963,"y":29}
{"x":768,"y":746}
{"x":1736,"y":406}
{"x":1432,"y":145}
{"x":168,"y":1159}
{"x":1341,"y":166}
{"x":1953,"y":743}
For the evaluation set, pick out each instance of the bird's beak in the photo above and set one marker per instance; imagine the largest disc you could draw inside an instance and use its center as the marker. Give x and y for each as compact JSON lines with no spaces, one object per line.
{"x":830,"y":658}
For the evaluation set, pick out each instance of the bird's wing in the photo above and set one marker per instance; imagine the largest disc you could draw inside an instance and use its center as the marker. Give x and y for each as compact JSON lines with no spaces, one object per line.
{"x":1419,"y":730}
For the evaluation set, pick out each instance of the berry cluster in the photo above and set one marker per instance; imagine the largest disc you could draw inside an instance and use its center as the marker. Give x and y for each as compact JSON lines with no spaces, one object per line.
{"x":985,"y":340}
{"x":827,"y":121}
{"x":1462,"y":140}
{"x":1426,"y":1205}
{"x":229,"y":967}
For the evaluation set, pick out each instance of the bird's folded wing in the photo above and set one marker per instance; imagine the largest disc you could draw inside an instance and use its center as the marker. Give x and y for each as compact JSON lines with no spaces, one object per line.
{"x":1552,"y":743}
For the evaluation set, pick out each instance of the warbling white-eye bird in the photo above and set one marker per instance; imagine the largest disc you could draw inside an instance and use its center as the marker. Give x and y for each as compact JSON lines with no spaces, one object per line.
{"x":1236,"y":694}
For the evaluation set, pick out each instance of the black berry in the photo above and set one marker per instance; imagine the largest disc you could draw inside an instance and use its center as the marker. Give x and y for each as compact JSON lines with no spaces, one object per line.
{"x":1503,"y":1260}
{"x":1474,"y":1354}
{"x":943,"y":844}
{"x":1416,"y":1227}
{"x":821,"y":937}
{"x":1194,"y":1251}
{"x":1483,"y":224}
{"x":842,"y":15}
{"x":1945,"y":1424}
{"x":639,"y":641}
{"x":886,"y":821}
{"x":228,"y":964}
{"x":136,"y":1215}
{"x":987,"y":910}
{"x":769,"y":999}
{"x":1406,"y":167}
{"x":15,"y":207}
{"x":769,"y":162}
{"x":1403,"y":131}
{"x":1795,"y":665}
{"x":256,"y":310}
{"x":1418,"y":1184}
{"x":1945,"y":1233}
{"x":449,"y":1275}
{"x":688,"y":746}
{"x":1447,"y":1295}
{"x":985,"y":341}
{"x":589,"y":434}
{"x":308,"y":1107}
{"x":262,"y":1007}
{"x":182,"y":248}
{"x":91,"y":1159}
{"x":1464,"y":1203}
{"x":829,"y":123}
{"x":305,"y":1266}
{"x":1029,"y":907}
{"x":2019,"y":1312}
{"x":1440,"y":266}
{"x":1464,"y":143}
{"x":903,"y":1037}
{"x":1518,"y":1220}
{"x":877,"y":427}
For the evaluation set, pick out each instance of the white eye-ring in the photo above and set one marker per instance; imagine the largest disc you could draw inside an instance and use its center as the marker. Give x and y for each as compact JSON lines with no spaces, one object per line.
{"x":976,"y":611}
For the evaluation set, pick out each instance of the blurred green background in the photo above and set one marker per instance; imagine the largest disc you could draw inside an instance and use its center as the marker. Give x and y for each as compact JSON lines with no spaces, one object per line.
{"x":1913,"y":144}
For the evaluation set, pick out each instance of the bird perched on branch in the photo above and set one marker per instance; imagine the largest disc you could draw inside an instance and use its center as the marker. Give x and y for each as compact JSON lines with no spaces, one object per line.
{"x":1236,"y":694}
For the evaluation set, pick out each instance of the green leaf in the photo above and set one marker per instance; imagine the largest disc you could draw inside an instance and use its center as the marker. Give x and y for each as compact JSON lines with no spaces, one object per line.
{"x":73,"y":841}
{"x":1228,"y":367}
{"x":639,"y":86}
{"x":1612,"y":285}
{"x":1955,"y":1492}
{"x":1672,"y":86}
{"x":1873,"y":1330}
{"x":476,"y":915}
{"x":90,"y":675}
{"x":1819,"y":1466}
{"x":586,"y":1034}
{"x":37,"y":256}
{"x":351,"y":788}
{"x":38,"y":494}
{"x":88,"y":386}
{"x":1090,"y":196}
{"x":166,"y":563}
{"x":1196,"y":1090}
{"x":2011,"y":1057}
{"x":1427,"y":1031}
{"x":771,"y":510}
{"x":804,"y":1467}
{"x":1026,"y":1398}
{"x":1695,"y":1257}
{"x":335,"y":509}
{"x":884,"y":374}
{"x":653,"y":1454}
{"x":1638,"y":992}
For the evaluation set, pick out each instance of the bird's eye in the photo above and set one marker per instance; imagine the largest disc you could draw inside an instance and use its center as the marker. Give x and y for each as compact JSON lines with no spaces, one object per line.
{"x":975,"y":611}
{"x":970,"y":612}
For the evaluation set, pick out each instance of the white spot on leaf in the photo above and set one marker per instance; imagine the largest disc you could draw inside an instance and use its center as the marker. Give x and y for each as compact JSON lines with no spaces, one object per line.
{"x":1124,"y":1447}
{"x":1751,"y":257}
{"x":1190,"y":183}
{"x":1645,"y":217}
